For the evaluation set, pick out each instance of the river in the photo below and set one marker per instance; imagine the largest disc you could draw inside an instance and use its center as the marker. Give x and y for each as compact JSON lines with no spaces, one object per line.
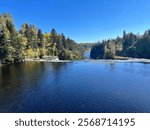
{"x":79,"y":86}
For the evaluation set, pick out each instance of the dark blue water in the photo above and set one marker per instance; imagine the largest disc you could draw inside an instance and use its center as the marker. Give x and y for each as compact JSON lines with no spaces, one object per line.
{"x":84,"y":86}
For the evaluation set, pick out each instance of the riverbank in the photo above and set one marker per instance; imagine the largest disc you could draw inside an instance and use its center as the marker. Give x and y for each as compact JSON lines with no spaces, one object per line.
{"x":129,"y":59}
{"x":121,"y":58}
{"x":45,"y":60}
{"x":110,"y":61}
{"x":113,"y":61}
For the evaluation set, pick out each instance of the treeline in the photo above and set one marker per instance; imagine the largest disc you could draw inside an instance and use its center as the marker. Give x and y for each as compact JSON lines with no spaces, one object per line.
{"x":86,"y":46}
{"x":30,"y":42}
{"x":130,"y":45}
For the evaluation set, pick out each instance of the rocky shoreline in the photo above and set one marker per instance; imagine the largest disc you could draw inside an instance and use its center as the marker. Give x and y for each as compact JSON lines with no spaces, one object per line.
{"x":111,"y":61}
{"x":46,"y":59}
{"x":129,"y":60}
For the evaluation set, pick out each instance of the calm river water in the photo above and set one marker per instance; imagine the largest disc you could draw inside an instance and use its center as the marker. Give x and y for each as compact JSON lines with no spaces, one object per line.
{"x":79,"y":86}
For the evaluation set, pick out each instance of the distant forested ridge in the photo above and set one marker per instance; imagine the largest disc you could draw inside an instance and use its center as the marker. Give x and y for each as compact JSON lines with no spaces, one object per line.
{"x":30,"y":42}
{"x":130,"y":45}
{"x":86,"y":46}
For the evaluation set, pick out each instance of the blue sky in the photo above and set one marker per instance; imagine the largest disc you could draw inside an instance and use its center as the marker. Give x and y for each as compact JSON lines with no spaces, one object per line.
{"x":82,"y":20}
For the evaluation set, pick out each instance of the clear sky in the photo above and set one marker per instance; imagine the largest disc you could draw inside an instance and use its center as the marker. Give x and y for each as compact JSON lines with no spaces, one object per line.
{"x":82,"y":20}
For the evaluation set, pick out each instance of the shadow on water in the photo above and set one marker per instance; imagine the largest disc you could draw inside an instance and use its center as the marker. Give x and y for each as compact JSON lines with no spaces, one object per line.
{"x":19,"y":83}
{"x":10,"y":86}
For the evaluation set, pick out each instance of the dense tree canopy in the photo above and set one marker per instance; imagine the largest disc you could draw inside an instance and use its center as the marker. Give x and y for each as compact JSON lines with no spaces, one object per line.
{"x":130,"y":45}
{"x":30,"y":42}
{"x":97,"y":51}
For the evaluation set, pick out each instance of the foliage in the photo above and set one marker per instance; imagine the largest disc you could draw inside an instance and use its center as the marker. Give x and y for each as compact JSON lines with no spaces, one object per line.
{"x":130,"y":45}
{"x":98,"y":51}
{"x":143,"y":47}
{"x":86,"y":46}
{"x":30,"y":42}
{"x":109,"y":52}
